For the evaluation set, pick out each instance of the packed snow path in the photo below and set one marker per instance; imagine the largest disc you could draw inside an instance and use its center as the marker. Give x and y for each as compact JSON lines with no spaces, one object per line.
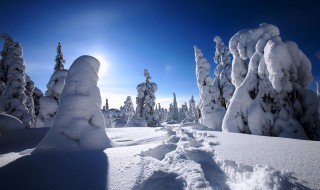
{"x":173,"y":157}
{"x":187,"y":160}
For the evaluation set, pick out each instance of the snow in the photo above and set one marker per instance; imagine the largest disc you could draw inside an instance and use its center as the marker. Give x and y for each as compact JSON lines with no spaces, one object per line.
{"x":173,"y":157}
{"x":78,"y":126}
{"x":136,"y":121}
{"x":9,"y":123}
{"x":50,"y":102}
{"x":271,"y":79}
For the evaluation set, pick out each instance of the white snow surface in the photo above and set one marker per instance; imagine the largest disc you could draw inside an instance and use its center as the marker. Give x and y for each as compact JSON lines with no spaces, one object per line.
{"x":79,"y":123}
{"x":172,"y":158}
{"x":8,"y":123}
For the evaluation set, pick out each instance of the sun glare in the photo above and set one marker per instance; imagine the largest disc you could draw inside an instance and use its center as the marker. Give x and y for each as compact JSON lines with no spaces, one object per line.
{"x":103,"y":65}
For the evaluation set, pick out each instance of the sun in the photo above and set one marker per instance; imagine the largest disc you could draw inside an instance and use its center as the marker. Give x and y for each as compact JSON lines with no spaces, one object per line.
{"x":103,"y":65}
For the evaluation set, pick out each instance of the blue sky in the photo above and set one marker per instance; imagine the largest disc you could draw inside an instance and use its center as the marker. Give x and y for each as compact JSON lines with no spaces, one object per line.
{"x":129,"y":36}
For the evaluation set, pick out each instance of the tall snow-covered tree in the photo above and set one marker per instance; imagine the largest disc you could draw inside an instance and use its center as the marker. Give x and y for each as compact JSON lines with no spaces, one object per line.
{"x":49,"y":103}
{"x":192,"y":109}
{"x":13,"y":80}
{"x":146,"y":100}
{"x":175,"y":109}
{"x":29,"y":89}
{"x":271,"y":79}
{"x":37,"y":94}
{"x":59,"y":59}
{"x":79,"y":123}
{"x":222,"y":86}
{"x":128,"y":108}
{"x":106,"y":106}
{"x":211,"y":111}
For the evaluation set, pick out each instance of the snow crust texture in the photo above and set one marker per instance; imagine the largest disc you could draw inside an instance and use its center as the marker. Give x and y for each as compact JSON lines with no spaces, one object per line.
{"x":79,"y":123}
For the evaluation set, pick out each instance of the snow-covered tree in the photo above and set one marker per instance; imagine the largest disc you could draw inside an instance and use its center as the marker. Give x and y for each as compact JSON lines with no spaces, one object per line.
{"x":37,"y":94}
{"x":59,"y":59}
{"x":183,"y":112}
{"x":271,"y":79}
{"x":211,"y":111}
{"x":146,"y":100}
{"x":128,"y":108}
{"x":29,"y":89}
{"x":192,"y":109}
{"x":175,"y":109}
{"x":79,"y":123}
{"x":13,"y":80}
{"x":222,"y":87}
{"x":106,"y":106}
{"x":50,"y":102}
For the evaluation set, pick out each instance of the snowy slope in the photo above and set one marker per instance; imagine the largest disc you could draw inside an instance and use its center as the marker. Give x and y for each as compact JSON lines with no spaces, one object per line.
{"x":170,"y":158}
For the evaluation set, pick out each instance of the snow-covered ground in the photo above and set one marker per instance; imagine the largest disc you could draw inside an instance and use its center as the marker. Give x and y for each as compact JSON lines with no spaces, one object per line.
{"x":172,"y":157}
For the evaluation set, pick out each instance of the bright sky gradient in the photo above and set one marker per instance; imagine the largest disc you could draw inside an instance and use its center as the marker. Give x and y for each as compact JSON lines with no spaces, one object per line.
{"x":129,"y":36}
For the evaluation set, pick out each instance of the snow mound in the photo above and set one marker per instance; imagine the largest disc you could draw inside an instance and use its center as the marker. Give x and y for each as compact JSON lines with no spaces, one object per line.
{"x":9,"y":123}
{"x":79,"y":123}
{"x":118,"y":122}
{"x":136,"y":121}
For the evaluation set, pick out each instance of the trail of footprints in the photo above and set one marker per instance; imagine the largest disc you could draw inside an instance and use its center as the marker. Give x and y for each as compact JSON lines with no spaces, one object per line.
{"x":186,"y":160}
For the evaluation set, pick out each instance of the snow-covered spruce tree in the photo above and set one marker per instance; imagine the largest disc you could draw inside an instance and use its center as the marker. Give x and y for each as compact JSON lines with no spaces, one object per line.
{"x":13,"y":74}
{"x":184,"y":114}
{"x":192,"y":109}
{"x":271,"y":79}
{"x":175,"y":109}
{"x":222,"y":87}
{"x":50,"y":101}
{"x":146,"y":100}
{"x":128,"y":108}
{"x":37,"y":94}
{"x":29,"y":89}
{"x":106,"y":106}
{"x":59,"y":59}
{"x":79,"y":124}
{"x":211,"y":111}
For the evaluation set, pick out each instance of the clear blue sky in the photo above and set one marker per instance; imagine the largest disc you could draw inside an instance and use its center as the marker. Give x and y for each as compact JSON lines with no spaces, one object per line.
{"x":128,"y":36}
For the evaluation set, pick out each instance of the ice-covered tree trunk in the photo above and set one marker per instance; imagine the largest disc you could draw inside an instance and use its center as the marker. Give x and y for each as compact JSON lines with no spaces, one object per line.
{"x":211,"y":112}
{"x":13,"y":74}
{"x":271,"y":79}
{"x":37,"y":94}
{"x":59,"y":59}
{"x":49,"y":103}
{"x":79,"y":123}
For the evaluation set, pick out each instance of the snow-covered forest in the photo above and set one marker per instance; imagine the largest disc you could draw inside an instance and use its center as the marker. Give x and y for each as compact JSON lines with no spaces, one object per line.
{"x":255,"y":126}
